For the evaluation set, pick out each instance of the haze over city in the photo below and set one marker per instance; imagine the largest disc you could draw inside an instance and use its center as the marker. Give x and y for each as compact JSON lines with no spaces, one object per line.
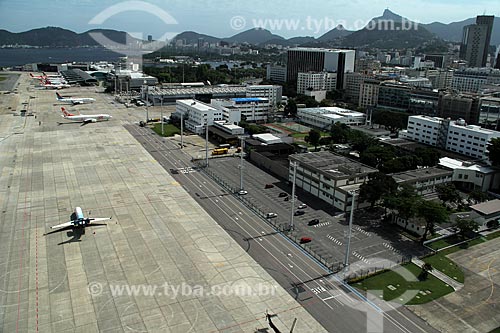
{"x":213,"y":17}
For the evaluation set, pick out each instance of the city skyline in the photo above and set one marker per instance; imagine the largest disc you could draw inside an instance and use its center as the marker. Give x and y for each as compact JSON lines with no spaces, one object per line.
{"x":217,"y":18}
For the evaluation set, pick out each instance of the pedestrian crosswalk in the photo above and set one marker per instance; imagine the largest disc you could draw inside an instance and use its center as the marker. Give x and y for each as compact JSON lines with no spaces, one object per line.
{"x":335,"y":240}
{"x":324,"y":224}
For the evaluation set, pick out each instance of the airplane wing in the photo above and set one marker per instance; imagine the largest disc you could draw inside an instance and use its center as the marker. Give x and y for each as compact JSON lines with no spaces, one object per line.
{"x":99,"y":219}
{"x":90,"y":120}
{"x":62,"y":225}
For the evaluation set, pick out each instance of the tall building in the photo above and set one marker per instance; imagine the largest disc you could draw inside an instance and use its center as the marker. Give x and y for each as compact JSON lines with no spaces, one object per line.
{"x":456,"y":106}
{"x":476,"y":41}
{"x":303,"y":59}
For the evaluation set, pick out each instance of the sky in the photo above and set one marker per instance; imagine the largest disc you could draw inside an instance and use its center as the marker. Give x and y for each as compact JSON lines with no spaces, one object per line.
{"x":224,"y":18}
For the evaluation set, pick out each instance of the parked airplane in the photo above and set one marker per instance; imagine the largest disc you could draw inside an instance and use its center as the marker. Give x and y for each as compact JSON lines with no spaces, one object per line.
{"x":80,"y":220}
{"x":50,"y":85}
{"x":37,"y":77}
{"x":82,"y":118}
{"x":74,"y":101}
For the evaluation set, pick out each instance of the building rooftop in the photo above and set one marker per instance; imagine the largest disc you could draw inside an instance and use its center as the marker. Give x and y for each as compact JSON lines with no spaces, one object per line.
{"x":198,"y":90}
{"x":196,"y":104}
{"x":420,"y":174}
{"x":249,"y":99}
{"x":488,"y":207}
{"x":318,"y":49}
{"x":333,"y":110}
{"x":336,"y":166}
{"x":453,"y":164}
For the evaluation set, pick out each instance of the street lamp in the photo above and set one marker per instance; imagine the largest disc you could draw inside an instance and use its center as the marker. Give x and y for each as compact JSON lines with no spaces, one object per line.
{"x":242,"y":146}
{"x":206,"y":140}
{"x":146,"y":96}
{"x":294,"y":165}
{"x":162,"y":121}
{"x":349,"y":231}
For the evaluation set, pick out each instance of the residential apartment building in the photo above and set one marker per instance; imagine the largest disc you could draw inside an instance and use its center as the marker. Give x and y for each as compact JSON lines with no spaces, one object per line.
{"x":325,"y":117}
{"x":456,"y":136}
{"x":276,"y":73}
{"x":353,"y":82}
{"x":197,"y":114}
{"x":316,"y":81}
{"x":330,"y":177}
{"x":368,"y":92}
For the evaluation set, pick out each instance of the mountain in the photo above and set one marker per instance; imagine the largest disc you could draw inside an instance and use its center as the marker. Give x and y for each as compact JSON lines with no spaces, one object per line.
{"x":389,"y":31}
{"x":191,"y":37}
{"x":294,"y":41}
{"x":335,"y":33}
{"x":58,"y":37}
{"x":254,"y":36}
{"x":453,"y":31}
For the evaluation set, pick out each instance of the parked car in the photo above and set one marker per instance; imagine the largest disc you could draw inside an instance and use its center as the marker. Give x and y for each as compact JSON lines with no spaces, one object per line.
{"x":269,"y":186}
{"x":271,"y":215}
{"x":287,"y":198}
{"x":302,"y":206}
{"x":242,"y":192}
{"x":283,"y":194}
{"x":313,"y":222}
{"x":305,"y":240}
{"x":299,"y":212}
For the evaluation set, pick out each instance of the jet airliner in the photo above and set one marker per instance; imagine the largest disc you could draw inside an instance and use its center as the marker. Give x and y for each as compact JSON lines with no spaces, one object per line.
{"x":80,"y":221}
{"x":82,"y":118}
{"x":74,"y":101}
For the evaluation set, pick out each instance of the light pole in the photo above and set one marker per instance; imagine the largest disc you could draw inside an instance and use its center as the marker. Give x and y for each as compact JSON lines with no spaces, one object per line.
{"x":242,"y":146}
{"x":294,"y":165}
{"x":349,"y":231}
{"x":146,"y":96}
{"x":182,"y":130}
{"x":162,"y":121}
{"x":206,"y":141}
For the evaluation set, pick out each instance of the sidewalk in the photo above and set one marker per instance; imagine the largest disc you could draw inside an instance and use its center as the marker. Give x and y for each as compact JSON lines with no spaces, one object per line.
{"x":441,"y":276}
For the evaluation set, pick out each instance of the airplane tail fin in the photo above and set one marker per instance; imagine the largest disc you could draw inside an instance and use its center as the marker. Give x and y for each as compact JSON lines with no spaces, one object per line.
{"x":66,"y":113}
{"x":31,"y":74}
{"x":59,"y":97}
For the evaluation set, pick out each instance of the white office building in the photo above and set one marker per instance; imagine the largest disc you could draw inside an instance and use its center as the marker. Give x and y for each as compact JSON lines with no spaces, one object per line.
{"x":276,"y":73}
{"x":316,"y":81}
{"x":254,"y":109}
{"x":324,"y":117}
{"x":197,"y":114}
{"x":273,"y":93}
{"x":474,"y":79}
{"x":471,"y":176}
{"x":456,"y":136}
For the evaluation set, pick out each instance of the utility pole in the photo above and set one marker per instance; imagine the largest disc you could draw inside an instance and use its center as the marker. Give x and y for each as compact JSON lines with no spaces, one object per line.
{"x":294,"y":165}
{"x":146,"y":95}
{"x":349,"y":231}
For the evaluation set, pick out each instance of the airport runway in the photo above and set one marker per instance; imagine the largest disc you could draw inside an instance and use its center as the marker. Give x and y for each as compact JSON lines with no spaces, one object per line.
{"x":335,"y":305}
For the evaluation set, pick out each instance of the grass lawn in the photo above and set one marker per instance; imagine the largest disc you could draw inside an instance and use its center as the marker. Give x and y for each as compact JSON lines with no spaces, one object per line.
{"x":493,"y":235}
{"x":394,"y":286}
{"x":168,"y":129}
{"x":3,"y":78}
{"x":455,"y":239}
{"x":446,"y":266}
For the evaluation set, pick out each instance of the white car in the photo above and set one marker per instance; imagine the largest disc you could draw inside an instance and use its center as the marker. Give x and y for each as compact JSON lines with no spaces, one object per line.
{"x":242,"y":192}
{"x":302,"y":206}
{"x":271,"y":215}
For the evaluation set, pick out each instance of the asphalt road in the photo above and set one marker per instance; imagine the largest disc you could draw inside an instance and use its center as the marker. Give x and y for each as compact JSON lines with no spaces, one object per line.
{"x":338,"y":307}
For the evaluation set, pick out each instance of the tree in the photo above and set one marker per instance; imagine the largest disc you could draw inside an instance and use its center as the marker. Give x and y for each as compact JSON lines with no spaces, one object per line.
{"x":377,"y":155}
{"x":426,"y":268}
{"x":428,"y":156}
{"x":466,"y":226}
{"x":477,"y":196}
{"x":360,"y":141}
{"x":433,"y":213}
{"x":291,"y":108}
{"x":493,"y":148}
{"x":377,"y":186}
{"x":448,"y":193}
{"x":314,"y":137}
{"x":392,"y":120}
{"x":339,"y":133}
{"x":406,"y":201}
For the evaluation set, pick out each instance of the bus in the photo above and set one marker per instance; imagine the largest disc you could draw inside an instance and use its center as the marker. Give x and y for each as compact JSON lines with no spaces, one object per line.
{"x":220,"y":151}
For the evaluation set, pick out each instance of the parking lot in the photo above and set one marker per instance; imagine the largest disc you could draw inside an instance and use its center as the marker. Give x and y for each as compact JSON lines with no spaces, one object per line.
{"x":370,"y":242}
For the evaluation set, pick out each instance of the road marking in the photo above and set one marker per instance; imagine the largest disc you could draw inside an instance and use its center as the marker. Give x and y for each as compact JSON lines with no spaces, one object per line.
{"x":392,"y":248}
{"x":318,"y":290}
{"x":324,"y":224}
{"x":360,"y":257}
{"x":334,"y":296}
{"x":362,"y":231}
{"x":335,"y":240}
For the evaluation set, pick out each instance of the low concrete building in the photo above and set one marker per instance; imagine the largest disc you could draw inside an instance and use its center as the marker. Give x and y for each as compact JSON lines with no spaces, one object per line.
{"x":330,"y":177}
{"x":197,"y":114}
{"x":486,"y":212}
{"x":423,"y":180}
{"x":469,"y":175}
{"x":324,"y":117}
